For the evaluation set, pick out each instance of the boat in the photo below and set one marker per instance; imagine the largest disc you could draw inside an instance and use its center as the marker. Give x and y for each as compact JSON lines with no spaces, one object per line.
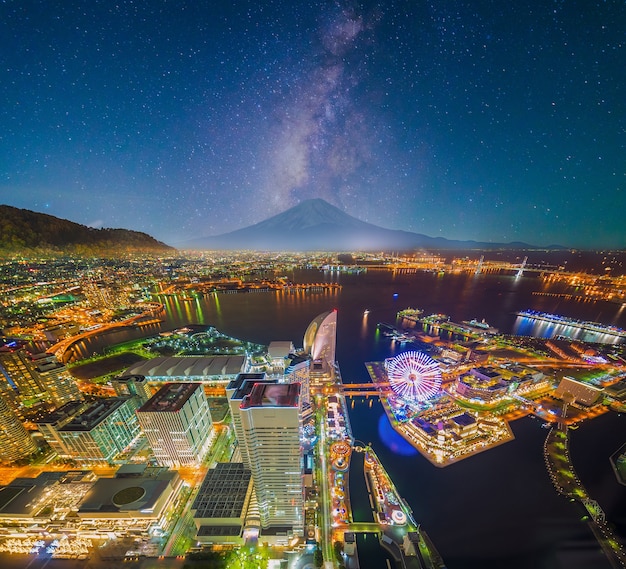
{"x":366,"y":312}
{"x":480,"y":325}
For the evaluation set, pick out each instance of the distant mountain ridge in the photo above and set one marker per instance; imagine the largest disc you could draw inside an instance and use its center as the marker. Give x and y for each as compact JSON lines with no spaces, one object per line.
{"x":316,"y":225}
{"x":24,"y":232}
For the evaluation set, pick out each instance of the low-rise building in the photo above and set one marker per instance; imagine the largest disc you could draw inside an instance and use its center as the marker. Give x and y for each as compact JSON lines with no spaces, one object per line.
{"x":36,"y":505}
{"x":221,"y":505}
{"x":577,"y":392}
{"x":135,"y":502}
{"x":205,"y":369}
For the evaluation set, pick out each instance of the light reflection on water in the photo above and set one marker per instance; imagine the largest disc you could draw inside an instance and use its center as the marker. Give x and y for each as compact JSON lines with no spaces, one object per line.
{"x":525,"y":326}
{"x":395,"y":442}
{"x":513,"y":474}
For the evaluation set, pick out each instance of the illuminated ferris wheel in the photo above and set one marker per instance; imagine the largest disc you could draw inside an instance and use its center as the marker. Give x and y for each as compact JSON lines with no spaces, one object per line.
{"x":414,"y":376}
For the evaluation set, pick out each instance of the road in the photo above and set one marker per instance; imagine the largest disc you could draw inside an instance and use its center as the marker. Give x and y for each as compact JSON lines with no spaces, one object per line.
{"x":325,"y":497}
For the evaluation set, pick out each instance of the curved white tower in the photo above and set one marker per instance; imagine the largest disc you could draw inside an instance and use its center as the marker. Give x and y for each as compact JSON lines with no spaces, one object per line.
{"x":319,"y":343}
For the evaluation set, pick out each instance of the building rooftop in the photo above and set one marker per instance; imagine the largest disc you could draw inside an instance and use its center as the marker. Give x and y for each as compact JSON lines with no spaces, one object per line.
{"x":273,"y":395}
{"x":279,"y":349}
{"x":464,"y":420}
{"x":130,"y":378}
{"x":188,"y":366}
{"x":170,"y":398}
{"x":485,"y":372}
{"x":223,"y":492}
{"x":129,"y":494}
{"x":582,"y":392}
{"x":247,"y":386}
{"x":64,"y":412}
{"x":94,"y":414}
{"x":22,"y":497}
{"x":243,"y":377}
{"x":295,"y":359}
{"x":617,"y":390}
{"x":219,"y":531}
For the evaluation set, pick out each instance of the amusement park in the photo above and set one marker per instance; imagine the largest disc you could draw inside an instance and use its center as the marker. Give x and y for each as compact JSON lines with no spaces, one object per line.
{"x":438,"y":425}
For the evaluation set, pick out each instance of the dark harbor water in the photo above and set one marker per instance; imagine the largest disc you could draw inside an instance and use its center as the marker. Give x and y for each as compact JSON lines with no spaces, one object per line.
{"x":494,"y":510}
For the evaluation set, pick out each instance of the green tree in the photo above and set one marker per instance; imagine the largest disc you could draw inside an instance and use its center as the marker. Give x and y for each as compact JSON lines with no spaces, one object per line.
{"x":318,"y":558}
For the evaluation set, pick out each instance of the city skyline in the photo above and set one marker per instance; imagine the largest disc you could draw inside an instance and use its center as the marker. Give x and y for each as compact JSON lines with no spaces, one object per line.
{"x":469,"y":120}
{"x":229,"y":415}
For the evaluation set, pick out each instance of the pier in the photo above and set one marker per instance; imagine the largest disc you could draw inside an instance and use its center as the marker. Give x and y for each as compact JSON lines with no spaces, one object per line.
{"x":561,"y":470}
{"x":555,"y":325}
{"x":393,"y":524}
{"x":193,"y":291}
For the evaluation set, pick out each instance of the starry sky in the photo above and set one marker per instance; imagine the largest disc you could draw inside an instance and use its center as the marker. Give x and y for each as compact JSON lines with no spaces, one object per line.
{"x":466,"y":119}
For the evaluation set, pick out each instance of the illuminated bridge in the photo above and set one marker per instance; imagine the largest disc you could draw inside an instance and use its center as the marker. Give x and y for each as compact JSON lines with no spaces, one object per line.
{"x":363,"y":389}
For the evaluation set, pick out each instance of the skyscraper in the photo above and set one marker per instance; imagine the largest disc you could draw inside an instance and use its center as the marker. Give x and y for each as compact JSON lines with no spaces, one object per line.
{"x":177,"y":423}
{"x":270,"y":418}
{"x":38,"y":377}
{"x":17,"y":369}
{"x":236,"y":391}
{"x":59,"y":385}
{"x":15,"y":442}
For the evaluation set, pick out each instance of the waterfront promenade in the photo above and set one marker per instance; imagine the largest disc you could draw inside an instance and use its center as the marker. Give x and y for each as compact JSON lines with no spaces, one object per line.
{"x":566,"y":481}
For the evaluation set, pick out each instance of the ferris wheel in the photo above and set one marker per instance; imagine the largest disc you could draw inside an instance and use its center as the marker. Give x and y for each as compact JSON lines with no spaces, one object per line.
{"x":414,"y":376}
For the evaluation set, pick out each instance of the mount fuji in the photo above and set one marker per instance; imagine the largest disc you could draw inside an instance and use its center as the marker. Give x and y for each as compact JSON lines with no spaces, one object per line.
{"x":316,"y":225}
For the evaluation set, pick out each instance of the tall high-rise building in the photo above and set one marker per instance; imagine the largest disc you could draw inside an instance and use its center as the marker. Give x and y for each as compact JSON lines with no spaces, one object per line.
{"x":270,"y":418}
{"x":319,"y":343}
{"x":177,"y":423}
{"x":59,"y":385}
{"x":38,"y":377}
{"x":236,"y":391}
{"x":15,"y":442}
{"x":17,"y":369}
{"x":51,"y":425}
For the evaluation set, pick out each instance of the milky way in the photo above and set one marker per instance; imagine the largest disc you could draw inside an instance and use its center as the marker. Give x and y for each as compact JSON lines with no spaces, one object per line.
{"x":465,"y":119}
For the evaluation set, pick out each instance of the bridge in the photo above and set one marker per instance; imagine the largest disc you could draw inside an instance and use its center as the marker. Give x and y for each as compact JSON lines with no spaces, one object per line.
{"x":363,"y":389}
{"x":364,"y":527}
{"x":59,"y":349}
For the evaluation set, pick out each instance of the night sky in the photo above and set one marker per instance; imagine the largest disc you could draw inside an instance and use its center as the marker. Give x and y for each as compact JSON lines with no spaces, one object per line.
{"x":467,"y":119}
